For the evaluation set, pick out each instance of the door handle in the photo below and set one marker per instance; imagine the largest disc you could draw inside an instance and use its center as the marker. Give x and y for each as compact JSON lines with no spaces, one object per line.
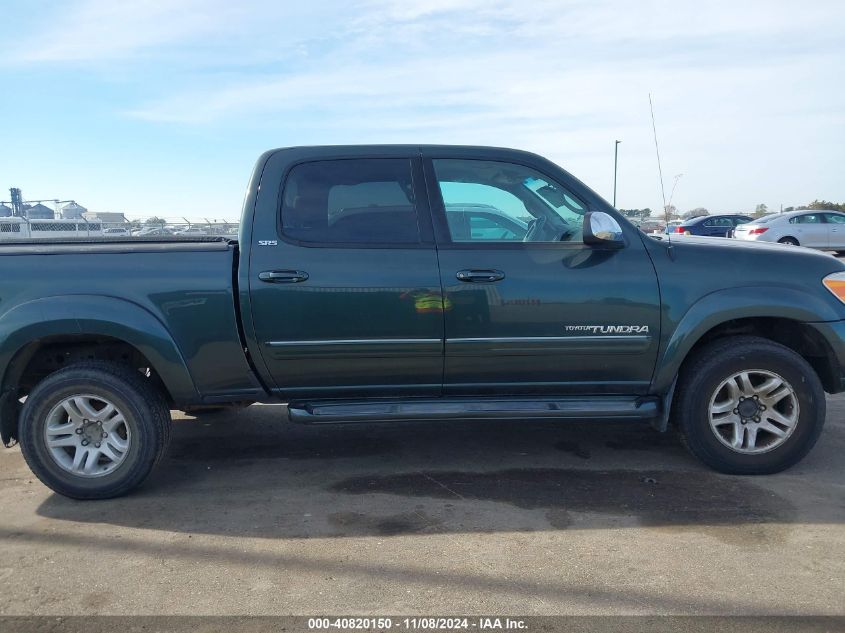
{"x":480,"y":276}
{"x":283,"y":276}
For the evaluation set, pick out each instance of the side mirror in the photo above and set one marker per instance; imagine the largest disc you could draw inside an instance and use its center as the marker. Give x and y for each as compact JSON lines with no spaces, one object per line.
{"x":601,"y":229}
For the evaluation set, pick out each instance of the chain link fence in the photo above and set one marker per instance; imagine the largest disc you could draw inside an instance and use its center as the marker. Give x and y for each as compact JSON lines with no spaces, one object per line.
{"x":18,"y":228}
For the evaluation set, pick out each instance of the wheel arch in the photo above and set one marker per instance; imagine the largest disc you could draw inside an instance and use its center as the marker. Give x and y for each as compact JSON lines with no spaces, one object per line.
{"x":752,"y":311}
{"x":48,"y":333}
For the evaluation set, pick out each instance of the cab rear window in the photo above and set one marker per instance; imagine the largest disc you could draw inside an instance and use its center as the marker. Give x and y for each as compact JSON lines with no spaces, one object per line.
{"x":351,"y":201}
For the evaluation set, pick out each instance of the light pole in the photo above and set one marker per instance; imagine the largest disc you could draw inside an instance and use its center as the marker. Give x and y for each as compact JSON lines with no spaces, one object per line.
{"x":615,"y":163}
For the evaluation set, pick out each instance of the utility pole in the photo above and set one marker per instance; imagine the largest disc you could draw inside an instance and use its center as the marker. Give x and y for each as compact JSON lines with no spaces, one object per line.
{"x":615,"y":164}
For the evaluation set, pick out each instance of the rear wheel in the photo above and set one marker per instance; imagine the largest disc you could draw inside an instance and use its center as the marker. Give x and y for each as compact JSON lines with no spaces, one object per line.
{"x":789,"y":241}
{"x":94,"y":430}
{"x":749,"y":406}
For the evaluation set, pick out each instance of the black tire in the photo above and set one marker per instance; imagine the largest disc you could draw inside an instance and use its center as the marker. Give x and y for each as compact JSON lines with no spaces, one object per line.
{"x":789,"y":241}
{"x":702,"y":375}
{"x":840,"y":253}
{"x":144,"y":410}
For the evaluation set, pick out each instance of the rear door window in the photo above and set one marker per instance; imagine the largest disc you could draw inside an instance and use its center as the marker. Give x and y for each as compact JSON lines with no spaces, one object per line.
{"x":719,"y":222}
{"x":355,"y":201}
{"x":809,"y":218}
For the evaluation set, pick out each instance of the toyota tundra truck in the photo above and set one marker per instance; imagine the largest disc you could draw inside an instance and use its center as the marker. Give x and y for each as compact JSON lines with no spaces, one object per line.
{"x":391,"y":283}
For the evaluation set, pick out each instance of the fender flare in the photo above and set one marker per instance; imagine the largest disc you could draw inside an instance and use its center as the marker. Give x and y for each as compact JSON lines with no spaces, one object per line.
{"x":96,"y":315}
{"x":730,"y":304}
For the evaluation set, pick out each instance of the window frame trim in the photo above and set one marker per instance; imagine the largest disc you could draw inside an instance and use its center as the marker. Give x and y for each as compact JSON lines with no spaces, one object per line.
{"x":421,"y":207}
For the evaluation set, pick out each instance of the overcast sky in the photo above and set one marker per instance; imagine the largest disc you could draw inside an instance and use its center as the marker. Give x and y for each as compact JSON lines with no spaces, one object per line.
{"x":161,"y":107}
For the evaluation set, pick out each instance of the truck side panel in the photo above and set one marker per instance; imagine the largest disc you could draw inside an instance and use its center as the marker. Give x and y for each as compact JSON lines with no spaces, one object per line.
{"x":176,"y":300}
{"x":695,"y":302}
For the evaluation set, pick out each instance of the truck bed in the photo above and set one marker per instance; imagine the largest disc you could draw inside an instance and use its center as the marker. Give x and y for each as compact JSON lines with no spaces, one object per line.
{"x":186,"y":285}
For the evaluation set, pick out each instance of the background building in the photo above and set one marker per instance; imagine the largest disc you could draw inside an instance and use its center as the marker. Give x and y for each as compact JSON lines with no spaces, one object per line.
{"x":38,"y":212}
{"x":105,"y":218}
{"x":73,"y":211}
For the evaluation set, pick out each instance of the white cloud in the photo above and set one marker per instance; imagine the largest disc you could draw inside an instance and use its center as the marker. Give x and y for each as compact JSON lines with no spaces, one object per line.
{"x":757,"y":79}
{"x":103,"y":30}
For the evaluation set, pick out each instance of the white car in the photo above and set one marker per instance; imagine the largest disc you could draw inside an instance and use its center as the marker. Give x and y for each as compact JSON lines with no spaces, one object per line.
{"x":191,"y":232}
{"x":820,"y":229}
{"x":116,"y":232}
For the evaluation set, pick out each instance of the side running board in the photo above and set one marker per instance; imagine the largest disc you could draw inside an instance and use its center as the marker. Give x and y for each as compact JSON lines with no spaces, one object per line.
{"x":609,"y":407}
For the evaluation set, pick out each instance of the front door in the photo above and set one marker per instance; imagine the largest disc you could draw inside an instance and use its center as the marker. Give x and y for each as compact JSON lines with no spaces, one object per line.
{"x":347,"y":301}
{"x":528,"y":307}
{"x":836,"y":230}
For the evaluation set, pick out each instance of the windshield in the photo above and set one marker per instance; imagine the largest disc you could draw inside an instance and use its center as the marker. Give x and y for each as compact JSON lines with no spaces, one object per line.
{"x":765,"y":218}
{"x":569,"y":210}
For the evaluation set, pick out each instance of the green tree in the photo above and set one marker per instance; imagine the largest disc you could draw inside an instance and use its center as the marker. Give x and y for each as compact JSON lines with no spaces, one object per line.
{"x":825,"y":205}
{"x":761,"y":210}
{"x":695,"y":213}
{"x":155,"y":221}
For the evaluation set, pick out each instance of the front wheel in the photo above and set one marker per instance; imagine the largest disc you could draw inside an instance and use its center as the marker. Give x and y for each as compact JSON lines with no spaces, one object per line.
{"x":749,"y":406}
{"x":94,"y":430}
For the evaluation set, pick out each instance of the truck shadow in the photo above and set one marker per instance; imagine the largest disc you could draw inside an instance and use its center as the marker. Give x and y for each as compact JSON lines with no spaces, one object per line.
{"x":246,"y":474}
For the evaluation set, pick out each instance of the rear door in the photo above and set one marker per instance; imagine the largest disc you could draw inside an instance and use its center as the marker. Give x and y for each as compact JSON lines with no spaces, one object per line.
{"x":709,"y":228}
{"x":721,"y":226}
{"x":344,"y":283}
{"x":532,"y":309}
{"x":811,"y":230}
{"x":717,"y":226}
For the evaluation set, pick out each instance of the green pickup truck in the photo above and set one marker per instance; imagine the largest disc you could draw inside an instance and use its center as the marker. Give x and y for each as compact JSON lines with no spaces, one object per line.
{"x":390,"y":283}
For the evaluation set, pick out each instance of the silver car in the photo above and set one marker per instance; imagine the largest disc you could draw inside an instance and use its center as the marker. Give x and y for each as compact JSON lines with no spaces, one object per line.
{"x":814,"y":228}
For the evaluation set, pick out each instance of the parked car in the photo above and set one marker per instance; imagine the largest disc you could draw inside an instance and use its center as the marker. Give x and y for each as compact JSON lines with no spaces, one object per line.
{"x":710,"y":225}
{"x":153,"y":231}
{"x":192,"y":231}
{"x":824,"y":230}
{"x":352,"y":298}
{"x":116,"y":232}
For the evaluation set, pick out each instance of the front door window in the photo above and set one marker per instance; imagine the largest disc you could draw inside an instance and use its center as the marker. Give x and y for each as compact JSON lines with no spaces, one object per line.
{"x":491,"y":201}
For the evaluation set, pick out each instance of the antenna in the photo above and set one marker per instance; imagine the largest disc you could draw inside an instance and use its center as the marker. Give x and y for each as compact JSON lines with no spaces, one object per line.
{"x":659,"y":168}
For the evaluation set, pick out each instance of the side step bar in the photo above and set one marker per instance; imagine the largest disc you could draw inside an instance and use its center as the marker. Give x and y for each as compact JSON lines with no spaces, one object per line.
{"x":608,"y":407}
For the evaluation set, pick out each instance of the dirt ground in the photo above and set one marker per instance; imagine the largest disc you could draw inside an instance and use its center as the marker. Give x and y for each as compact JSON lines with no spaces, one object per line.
{"x":252,"y":515}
